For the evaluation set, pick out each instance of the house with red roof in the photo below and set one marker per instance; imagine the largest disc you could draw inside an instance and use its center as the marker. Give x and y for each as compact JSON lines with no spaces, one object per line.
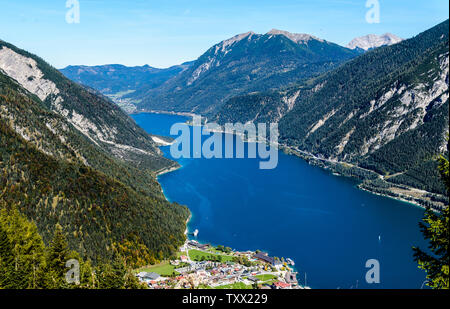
{"x":281,"y":285}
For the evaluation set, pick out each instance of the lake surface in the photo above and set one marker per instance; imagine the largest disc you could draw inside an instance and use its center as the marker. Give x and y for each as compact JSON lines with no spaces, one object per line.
{"x":323,"y":222}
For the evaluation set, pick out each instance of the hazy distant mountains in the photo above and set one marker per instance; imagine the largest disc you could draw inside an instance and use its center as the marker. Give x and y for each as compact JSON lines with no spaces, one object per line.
{"x":372,"y":41}
{"x":115,"y":78}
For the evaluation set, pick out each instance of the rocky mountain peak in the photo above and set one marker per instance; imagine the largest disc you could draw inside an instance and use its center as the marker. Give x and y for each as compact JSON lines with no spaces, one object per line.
{"x":295,"y":37}
{"x":373,"y":41}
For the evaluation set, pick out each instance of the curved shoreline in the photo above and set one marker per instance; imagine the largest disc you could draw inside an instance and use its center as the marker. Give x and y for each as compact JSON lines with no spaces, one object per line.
{"x":299,"y":153}
{"x":167,"y":170}
{"x":187,"y":222}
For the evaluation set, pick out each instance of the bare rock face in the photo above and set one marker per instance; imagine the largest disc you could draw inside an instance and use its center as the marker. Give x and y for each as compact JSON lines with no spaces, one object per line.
{"x":25,"y":71}
{"x":300,"y":38}
{"x":371,"y":41}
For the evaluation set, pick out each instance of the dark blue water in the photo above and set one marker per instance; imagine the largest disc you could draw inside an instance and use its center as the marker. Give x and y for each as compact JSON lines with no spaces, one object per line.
{"x":323,"y":222}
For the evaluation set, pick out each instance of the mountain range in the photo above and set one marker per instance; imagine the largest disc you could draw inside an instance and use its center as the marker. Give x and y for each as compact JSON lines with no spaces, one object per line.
{"x":244,"y":63}
{"x":385,"y":111}
{"x":115,"y":78}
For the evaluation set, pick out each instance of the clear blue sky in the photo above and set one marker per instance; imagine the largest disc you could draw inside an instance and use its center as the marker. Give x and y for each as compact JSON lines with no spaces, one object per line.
{"x":167,"y":32}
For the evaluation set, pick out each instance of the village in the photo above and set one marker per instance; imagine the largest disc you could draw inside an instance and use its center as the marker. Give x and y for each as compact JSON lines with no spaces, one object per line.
{"x":201,"y":266}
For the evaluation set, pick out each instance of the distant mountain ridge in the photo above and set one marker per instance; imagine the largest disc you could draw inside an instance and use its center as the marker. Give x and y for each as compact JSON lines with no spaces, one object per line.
{"x":114,"y":78}
{"x":372,"y":41}
{"x":295,"y":37}
{"x":244,"y":63}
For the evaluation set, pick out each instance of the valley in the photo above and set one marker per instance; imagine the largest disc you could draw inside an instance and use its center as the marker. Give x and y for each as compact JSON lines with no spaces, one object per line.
{"x":337,"y":151}
{"x":334,"y":114}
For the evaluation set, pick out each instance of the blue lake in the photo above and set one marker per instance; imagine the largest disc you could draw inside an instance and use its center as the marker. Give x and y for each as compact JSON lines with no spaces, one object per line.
{"x":323,"y":222}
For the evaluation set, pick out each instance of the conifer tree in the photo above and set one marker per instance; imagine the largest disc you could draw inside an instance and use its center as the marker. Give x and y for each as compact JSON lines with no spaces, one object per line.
{"x":435,"y":228}
{"x":21,"y":249}
{"x":112,"y":275}
{"x":87,"y":275}
{"x":57,"y":256}
{"x":6,"y":261}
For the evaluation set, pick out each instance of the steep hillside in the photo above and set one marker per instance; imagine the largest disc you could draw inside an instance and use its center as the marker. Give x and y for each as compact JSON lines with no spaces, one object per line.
{"x":56,"y":173}
{"x":245,"y":63}
{"x":105,"y":124}
{"x":386,"y":110}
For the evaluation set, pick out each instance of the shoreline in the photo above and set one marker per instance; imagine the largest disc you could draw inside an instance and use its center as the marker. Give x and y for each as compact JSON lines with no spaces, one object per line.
{"x":302,"y":154}
{"x":167,"y":170}
{"x":186,"y":114}
{"x":395,"y":198}
{"x":306,"y":155}
{"x":186,"y":232}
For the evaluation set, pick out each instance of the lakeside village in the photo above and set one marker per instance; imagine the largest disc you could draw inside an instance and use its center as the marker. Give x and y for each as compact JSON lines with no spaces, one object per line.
{"x":201,"y":266}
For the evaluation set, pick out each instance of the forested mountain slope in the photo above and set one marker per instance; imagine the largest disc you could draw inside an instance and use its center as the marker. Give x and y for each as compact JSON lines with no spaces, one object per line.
{"x":54,"y":172}
{"x":105,"y":124}
{"x":245,"y":63}
{"x":386,"y":110}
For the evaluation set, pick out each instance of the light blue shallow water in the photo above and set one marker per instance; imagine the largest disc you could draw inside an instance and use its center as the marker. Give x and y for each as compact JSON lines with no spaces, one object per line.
{"x":323,"y":222}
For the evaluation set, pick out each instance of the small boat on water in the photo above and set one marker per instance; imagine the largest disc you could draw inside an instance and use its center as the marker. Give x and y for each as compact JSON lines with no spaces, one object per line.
{"x":289,"y":261}
{"x":195,"y":233}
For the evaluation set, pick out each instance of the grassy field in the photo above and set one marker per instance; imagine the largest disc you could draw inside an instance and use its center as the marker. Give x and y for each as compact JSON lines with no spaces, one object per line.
{"x":237,"y":285}
{"x":204,"y":287}
{"x":265,"y":277}
{"x":196,"y":255}
{"x":163,"y":269}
